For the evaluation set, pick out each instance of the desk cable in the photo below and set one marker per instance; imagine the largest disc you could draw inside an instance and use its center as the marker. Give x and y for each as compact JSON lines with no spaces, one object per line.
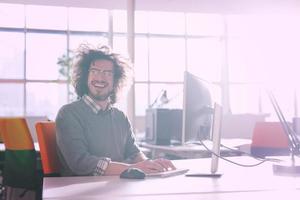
{"x":261,"y":160}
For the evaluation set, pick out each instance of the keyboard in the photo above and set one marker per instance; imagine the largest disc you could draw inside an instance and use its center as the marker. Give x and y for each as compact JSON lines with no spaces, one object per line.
{"x":168,"y":173}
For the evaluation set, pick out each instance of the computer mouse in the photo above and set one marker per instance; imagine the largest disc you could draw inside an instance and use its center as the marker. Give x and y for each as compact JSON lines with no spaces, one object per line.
{"x":133,"y":173}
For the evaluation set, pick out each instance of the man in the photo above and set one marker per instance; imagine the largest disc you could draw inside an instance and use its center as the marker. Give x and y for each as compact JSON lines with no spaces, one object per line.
{"x":93,"y":137}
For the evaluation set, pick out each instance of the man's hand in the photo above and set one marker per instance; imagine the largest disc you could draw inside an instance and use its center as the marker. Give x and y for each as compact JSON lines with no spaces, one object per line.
{"x":157,"y":165}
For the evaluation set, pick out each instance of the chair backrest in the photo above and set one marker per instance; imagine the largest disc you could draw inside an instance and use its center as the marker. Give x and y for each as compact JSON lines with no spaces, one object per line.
{"x":269,"y":139}
{"x":20,"y":156}
{"x":46,"y":135}
{"x":15,"y":133}
{"x":31,"y":121}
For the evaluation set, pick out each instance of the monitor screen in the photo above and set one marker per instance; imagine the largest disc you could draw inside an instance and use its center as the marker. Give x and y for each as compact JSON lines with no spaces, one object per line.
{"x":197,"y":109}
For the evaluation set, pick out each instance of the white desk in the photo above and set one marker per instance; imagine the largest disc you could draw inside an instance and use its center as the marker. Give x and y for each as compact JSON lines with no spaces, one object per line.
{"x":236,"y":183}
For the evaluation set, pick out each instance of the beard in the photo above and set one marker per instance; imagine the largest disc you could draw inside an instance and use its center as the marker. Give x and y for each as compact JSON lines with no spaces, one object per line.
{"x":101,"y":97}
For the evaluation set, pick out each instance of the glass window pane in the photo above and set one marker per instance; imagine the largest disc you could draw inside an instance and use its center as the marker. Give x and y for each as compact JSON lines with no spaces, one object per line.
{"x":238,"y":25}
{"x":141,"y":22}
{"x":236,"y":61}
{"x":120,"y":21}
{"x":141,"y":99}
{"x":205,"y":58}
{"x":88,"y":19}
{"x":141,"y":59}
{"x":45,"y":98}
{"x":272,"y":45}
{"x":297,"y":102}
{"x":72,"y":94}
{"x":244,"y":99}
{"x":11,"y":55}
{"x":167,"y":59}
{"x":215,"y":92}
{"x":95,"y":40}
{"x":123,"y":99}
{"x":120,"y":45}
{"x":204,"y":24}
{"x":46,"y":17}
{"x":174,"y":94}
{"x":171,"y":23}
{"x":12,"y":15}
{"x":286,"y":100}
{"x":247,"y":62}
{"x":12,"y":98}
{"x":41,"y":62}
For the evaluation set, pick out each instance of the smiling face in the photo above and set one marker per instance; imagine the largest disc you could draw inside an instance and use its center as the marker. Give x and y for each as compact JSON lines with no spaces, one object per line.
{"x":101,"y":80}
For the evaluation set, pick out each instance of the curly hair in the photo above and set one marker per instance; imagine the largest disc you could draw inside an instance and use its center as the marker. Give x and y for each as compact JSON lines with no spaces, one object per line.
{"x":85,"y":55}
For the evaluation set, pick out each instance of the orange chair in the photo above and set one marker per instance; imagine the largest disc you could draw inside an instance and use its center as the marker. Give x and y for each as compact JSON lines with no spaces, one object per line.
{"x":269,"y":139}
{"x":47,"y":141}
{"x":20,"y":164}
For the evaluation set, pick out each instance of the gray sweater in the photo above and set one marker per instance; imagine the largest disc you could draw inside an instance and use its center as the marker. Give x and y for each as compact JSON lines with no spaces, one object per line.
{"x":84,"y":138}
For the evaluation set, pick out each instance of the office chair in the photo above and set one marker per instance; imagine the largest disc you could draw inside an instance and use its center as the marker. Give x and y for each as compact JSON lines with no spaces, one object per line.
{"x":269,"y":139}
{"x":20,"y":166}
{"x":47,"y":141}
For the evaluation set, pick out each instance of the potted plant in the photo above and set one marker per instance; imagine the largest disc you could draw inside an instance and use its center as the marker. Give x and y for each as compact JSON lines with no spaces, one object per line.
{"x":65,"y":62}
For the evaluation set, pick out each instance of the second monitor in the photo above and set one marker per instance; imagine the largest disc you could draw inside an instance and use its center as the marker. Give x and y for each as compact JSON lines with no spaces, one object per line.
{"x":180,"y":126}
{"x":197,"y":109}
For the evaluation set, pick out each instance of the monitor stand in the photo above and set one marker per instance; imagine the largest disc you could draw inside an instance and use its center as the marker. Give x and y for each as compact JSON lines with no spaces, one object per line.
{"x":216,"y":137}
{"x":212,"y":175}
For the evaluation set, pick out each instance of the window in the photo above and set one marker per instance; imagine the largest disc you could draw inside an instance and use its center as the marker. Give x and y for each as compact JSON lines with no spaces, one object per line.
{"x":205,"y":57}
{"x":141,"y":100}
{"x":12,"y":15}
{"x":164,"y":23}
{"x":41,"y":59}
{"x":120,"y":45}
{"x":42,"y":17}
{"x":141,"y":59}
{"x":12,"y":99}
{"x":77,"y":39}
{"x":141,"y":22}
{"x":88,"y":19}
{"x":262,"y":52}
{"x":45,"y":98}
{"x":11,"y":55}
{"x":246,"y":53}
{"x":244,"y":98}
{"x":40,"y":35}
{"x":120,"y":21}
{"x":204,"y":24}
{"x":166,"y":59}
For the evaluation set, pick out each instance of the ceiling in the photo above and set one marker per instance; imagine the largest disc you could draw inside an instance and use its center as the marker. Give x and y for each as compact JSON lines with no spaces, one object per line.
{"x":205,"y":6}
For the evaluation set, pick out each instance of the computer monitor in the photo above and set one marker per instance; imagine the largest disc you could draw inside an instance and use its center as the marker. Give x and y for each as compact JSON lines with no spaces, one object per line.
{"x":197,"y":109}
